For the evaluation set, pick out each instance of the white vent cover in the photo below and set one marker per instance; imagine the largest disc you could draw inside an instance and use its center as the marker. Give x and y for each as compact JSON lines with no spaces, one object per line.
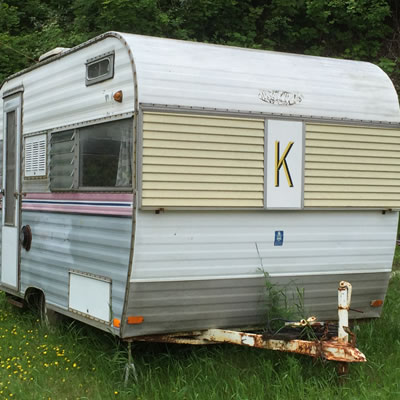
{"x":35,"y":155}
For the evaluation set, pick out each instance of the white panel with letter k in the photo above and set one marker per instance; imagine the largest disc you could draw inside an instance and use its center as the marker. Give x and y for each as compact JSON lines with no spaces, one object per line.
{"x":284,"y":164}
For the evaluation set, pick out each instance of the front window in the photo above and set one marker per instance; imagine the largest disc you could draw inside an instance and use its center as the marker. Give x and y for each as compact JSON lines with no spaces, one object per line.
{"x":97,"y":156}
{"x":105,"y":155}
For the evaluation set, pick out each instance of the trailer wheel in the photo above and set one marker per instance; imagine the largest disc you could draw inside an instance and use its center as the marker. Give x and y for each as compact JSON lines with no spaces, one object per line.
{"x":36,"y":302}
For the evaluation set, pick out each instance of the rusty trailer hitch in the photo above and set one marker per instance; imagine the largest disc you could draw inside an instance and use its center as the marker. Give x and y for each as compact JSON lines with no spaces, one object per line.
{"x":337,"y":348}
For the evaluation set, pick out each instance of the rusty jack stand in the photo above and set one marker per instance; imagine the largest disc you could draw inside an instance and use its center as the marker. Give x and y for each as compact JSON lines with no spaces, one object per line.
{"x":344,"y":300}
{"x":337,"y":349}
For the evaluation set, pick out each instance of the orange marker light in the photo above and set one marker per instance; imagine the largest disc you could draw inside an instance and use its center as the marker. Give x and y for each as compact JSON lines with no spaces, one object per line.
{"x":116,"y":322}
{"x":376,"y":303}
{"x":118,"y":96}
{"x":135,"y":320}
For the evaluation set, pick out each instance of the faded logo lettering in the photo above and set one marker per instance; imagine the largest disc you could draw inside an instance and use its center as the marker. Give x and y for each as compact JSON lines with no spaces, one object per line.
{"x":280,"y":97}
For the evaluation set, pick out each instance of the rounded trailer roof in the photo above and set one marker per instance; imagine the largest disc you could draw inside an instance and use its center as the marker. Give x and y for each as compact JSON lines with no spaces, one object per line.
{"x":189,"y":74}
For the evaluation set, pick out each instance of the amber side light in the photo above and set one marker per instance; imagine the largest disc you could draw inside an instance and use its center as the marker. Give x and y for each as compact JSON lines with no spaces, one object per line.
{"x":135,"y":320}
{"x":116,"y":322}
{"x":376,"y":303}
{"x":118,"y":96}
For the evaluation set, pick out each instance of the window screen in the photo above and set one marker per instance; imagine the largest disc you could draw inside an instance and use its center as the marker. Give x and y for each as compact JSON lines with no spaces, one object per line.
{"x":11,"y":146}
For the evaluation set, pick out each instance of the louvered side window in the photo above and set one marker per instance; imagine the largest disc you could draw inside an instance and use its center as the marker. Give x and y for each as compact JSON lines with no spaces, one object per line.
{"x":62,"y":156}
{"x":36,"y":156}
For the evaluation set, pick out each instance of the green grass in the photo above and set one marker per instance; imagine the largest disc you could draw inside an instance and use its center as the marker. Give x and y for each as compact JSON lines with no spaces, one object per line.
{"x":396,"y":260}
{"x":73,"y":361}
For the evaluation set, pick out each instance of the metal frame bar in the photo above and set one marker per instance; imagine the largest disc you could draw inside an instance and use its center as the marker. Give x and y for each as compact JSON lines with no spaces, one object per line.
{"x":268,"y":115}
{"x":335,"y":349}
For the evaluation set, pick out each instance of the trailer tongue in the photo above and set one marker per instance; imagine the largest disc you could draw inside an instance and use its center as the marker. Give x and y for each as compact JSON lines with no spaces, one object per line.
{"x":320,"y":344}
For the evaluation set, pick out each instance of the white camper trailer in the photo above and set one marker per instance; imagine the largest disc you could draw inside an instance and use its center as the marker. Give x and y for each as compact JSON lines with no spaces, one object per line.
{"x":149,"y":184}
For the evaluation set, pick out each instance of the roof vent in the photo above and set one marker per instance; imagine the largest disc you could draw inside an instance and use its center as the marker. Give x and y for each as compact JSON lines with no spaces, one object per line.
{"x":52,"y":53}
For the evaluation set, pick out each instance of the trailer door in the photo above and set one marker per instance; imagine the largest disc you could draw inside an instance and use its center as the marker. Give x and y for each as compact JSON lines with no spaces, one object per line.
{"x":11,"y":191}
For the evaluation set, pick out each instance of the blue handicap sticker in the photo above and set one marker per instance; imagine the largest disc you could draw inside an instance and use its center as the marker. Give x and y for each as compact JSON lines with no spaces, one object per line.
{"x":278,"y":238}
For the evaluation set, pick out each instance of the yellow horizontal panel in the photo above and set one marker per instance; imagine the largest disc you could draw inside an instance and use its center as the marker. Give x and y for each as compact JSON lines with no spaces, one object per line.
{"x":343,"y":137}
{"x":385,"y":204}
{"x":205,"y":130}
{"x":197,"y":194}
{"x":351,"y":167}
{"x":351,"y":189}
{"x":351,"y":152}
{"x":209,"y":162}
{"x":352,"y":130}
{"x":309,"y":180}
{"x":200,"y":137}
{"x":149,"y":177}
{"x":351,"y":159}
{"x":352,"y":196}
{"x":352,"y":174}
{"x":165,"y":144}
{"x":245,"y":187}
{"x":161,"y":203}
{"x":229,"y":155}
{"x":203,"y":120}
{"x":202,"y":170}
{"x":352,"y":145}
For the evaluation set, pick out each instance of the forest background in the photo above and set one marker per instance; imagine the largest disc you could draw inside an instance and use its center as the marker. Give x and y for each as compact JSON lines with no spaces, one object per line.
{"x":366,"y":30}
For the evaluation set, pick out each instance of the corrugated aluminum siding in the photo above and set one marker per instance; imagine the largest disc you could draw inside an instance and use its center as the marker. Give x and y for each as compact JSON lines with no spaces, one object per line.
{"x":203,"y":161}
{"x":63,"y":242}
{"x":233,"y":303}
{"x":348,"y":166}
{"x":188,"y":74}
{"x":56,"y":95}
{"x":202,"y":269}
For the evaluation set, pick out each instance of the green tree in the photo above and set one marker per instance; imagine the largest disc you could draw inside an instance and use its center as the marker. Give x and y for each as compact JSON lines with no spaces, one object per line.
{"x":357,"y":29}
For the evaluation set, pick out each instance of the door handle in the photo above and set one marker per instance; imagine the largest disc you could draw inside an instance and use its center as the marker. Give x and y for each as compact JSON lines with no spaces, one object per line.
{"x":16,"y":194}
{"x":3,"y":192}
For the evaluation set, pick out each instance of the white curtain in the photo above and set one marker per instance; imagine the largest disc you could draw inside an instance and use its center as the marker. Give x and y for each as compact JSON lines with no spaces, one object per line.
{"x":124,"y":173}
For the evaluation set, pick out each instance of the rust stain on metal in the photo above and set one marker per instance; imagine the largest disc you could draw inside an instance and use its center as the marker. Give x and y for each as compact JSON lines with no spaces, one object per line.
{"x":332,"y":350}
{"x":337,"y":348}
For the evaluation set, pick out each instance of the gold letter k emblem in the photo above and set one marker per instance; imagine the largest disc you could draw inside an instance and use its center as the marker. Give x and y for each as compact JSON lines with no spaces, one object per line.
{"x":282,"y":161}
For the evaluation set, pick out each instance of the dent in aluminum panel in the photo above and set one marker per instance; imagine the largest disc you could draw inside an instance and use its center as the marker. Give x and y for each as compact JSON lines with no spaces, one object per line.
{"x":63,"y":242}
{"x":191,"y":74}
{"x":201,"y":244}
{"x":234,"y":303}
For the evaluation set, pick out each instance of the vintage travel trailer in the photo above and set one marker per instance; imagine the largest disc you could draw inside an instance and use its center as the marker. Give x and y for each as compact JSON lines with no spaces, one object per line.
{"x":148,"y":184}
